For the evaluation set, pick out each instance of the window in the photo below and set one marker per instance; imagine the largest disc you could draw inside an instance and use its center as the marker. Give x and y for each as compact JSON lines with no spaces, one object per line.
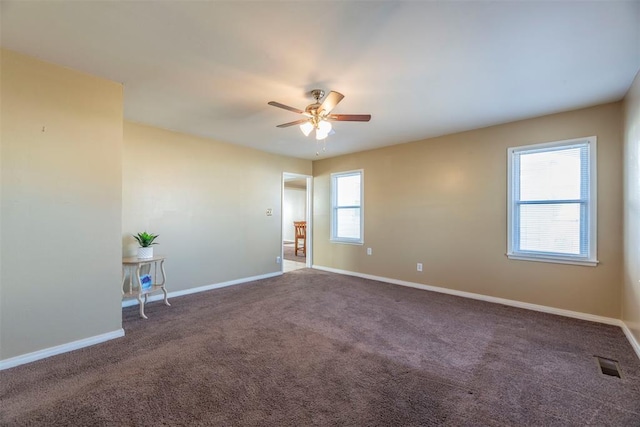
{"x":552,"y":202}
{"x":346,"y":207}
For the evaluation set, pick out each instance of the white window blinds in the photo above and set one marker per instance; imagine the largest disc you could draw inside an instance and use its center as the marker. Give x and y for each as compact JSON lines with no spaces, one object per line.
{"x":552,"y":201}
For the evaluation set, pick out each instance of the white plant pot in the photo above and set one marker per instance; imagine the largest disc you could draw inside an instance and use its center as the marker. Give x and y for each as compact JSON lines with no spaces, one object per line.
{"x":145,"y":252}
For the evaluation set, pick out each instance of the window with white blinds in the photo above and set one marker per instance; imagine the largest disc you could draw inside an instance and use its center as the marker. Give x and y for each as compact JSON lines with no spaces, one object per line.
{"x":552,"y":202}
{"x":346,"y":207}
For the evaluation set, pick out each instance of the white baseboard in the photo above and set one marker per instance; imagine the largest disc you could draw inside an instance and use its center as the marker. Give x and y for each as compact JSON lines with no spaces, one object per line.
{"x":535,"y":307}
{"x":632,"y":339}
{"x":75,"y":345}
{"x":157,"y":297}
{"x":512,"y":303}
{"x":59,"y":349}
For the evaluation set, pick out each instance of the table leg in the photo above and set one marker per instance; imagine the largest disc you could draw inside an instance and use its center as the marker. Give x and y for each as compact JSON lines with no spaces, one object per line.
{"x":164,"y":279}
{"x":140,"y":301}
{"x":124,"y":276}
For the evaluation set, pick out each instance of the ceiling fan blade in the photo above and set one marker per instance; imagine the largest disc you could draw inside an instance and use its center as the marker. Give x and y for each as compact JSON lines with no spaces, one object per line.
{"x":330,"y":102}
{"x":285,"y":107}
{"x":349,"y":117}
{"x":297,"y":122}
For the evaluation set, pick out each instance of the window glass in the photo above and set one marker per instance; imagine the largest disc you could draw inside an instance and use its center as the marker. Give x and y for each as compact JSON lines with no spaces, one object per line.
{"x":550,"y":228}
{"x":346,"y":207}
{"x":348,"y":223}
{"x":551,"y":175}
{"x":349,"y":190}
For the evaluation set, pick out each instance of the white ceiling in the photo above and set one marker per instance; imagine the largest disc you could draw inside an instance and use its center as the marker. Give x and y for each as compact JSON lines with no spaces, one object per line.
{"x":421,"y":69}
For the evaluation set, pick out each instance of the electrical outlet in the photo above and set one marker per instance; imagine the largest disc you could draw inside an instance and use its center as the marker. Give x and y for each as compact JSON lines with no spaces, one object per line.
{"x":369,"y":251}
{"x":278,"y":260}
{"x":269,"y":212}
{"x":419,"y":267}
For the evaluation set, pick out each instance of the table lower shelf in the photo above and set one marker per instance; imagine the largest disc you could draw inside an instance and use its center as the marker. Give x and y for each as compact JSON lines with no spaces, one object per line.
{"x":134,"y":294}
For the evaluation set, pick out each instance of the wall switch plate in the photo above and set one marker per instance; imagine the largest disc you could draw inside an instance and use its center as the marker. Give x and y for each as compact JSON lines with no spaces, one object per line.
{"x":269,"y":212}
{"x":278,"y":260}
{"x":369,"y":251}
{"x":419,"y":267}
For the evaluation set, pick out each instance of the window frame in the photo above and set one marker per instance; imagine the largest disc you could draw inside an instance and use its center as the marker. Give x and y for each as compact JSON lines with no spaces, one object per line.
{"x":334,"y":208}
{"x":589,"y":214}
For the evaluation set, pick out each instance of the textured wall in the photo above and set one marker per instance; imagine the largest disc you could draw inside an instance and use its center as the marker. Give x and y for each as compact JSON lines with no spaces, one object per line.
{"x":61,"y":205}
{"x":442,"y":202}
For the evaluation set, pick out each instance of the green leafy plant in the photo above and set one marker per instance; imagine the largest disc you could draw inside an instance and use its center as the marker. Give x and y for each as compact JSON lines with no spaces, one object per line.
{"x":145,"y":239}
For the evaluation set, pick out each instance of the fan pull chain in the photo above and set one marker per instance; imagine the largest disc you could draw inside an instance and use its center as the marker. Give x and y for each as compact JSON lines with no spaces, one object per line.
{"x":324,"y":147}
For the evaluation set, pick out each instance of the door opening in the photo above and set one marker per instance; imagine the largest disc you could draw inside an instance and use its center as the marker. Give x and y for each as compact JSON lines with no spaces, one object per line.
{"x":296,"y":221}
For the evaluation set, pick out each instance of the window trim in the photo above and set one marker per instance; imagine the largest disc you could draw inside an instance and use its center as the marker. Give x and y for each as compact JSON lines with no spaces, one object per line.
{"x":592,"y":203}
{"x":334,"y":208}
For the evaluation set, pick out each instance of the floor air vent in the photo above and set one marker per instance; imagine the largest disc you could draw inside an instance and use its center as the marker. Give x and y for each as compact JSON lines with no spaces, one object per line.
{"x":608,"y":367}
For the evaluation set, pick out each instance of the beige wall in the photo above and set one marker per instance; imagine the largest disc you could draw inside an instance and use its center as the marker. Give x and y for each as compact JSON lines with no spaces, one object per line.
{"x":72,"y":194}
{"x":207,"y":200}
{"x":631,"y":285}
{"x":61,"y":157}
{"x":442,"y":202}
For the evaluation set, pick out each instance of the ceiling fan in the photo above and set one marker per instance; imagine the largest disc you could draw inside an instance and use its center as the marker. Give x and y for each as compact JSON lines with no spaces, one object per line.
{"x":318,"y":115}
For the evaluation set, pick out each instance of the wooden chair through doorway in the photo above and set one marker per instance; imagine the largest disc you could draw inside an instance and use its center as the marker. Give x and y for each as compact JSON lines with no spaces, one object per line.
{"x":301,"y":237}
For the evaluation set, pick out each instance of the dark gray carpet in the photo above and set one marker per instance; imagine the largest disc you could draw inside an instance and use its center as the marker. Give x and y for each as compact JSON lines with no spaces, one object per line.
{"x":290,"y":254}
{"x":314,"y":348}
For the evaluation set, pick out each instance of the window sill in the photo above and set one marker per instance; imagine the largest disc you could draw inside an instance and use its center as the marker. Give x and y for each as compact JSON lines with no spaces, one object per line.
{"x":553,"y":260}
{"x":347,"y":242}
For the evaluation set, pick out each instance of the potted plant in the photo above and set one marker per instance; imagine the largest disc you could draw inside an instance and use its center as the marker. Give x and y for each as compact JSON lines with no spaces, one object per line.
{"x":145,"y":240}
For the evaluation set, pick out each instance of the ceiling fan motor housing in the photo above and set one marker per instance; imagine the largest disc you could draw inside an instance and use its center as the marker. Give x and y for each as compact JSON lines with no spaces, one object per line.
{"x":317,"y":94}
{"x":314,"y":109}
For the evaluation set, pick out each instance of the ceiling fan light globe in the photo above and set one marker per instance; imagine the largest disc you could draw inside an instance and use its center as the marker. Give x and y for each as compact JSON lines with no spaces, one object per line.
{"x":306,"y":128}
{"x":324,"y":127}
{"x":321,"y":135}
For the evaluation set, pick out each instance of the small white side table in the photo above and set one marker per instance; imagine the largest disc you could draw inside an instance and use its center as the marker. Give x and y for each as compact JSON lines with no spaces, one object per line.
{"x":132,"y":265}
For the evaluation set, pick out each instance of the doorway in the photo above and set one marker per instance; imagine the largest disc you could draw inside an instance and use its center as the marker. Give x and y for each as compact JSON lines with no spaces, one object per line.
{"x":296,"y":207}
